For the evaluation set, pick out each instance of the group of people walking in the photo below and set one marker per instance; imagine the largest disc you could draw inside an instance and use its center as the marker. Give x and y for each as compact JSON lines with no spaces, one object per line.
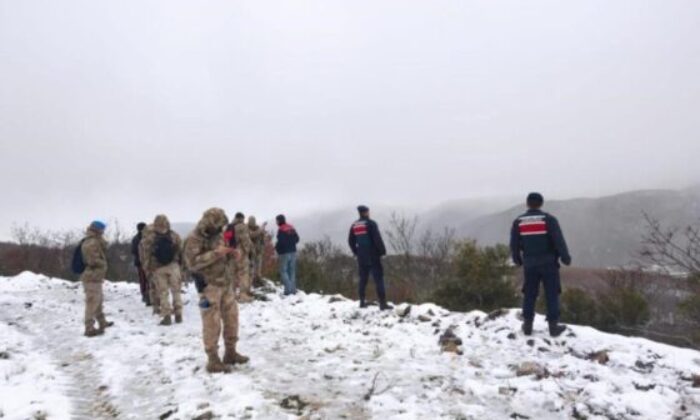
{"x":224,"y":259}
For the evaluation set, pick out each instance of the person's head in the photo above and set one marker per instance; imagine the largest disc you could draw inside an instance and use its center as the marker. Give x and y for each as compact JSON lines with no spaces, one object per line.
{"x":141,"y":226}
{"x":97,"y":226}
{"x":213,"y":221}
{"x":252,"y":222}
{"x":535,"y":201}
{"x":363,"y":210}
{"x":280,"y":219}
{"x":161,"y":224}
{"x":239,"y":217}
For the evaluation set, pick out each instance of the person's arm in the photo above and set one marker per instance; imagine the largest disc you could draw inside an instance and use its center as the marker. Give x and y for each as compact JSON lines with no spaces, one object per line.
{"x":295,"y":236}
{"x":352,"y":241}
{"x":515,"y":245}
{"x":197,"y":260}
{"x":558,"y":239}
{"x":377,"y":238}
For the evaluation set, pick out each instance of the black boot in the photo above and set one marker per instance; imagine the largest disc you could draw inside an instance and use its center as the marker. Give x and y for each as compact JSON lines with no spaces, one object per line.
{"x":383,"y":306}
{"x":363,"y":304}
{"x":555,"y":329}
{"x":527,"y":327}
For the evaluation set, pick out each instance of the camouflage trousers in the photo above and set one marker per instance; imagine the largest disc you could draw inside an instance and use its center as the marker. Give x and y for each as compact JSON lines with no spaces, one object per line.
{"x":243,"y":281}
{"x":222,"y":310}
{"x":168,"y":283}
{"x":256,"y":263}
{"x":153,"y":294}
{"x":93,"y":304}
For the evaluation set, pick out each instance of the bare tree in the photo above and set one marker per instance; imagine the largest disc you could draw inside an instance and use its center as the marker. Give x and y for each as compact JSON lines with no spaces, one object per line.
{"x":671,"y":247}
{"x":401,"y":234}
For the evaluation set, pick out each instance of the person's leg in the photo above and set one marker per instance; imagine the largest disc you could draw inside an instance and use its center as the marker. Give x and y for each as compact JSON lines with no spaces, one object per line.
{"x":229,"y":315}
{"x":143,"y":284}
{"x":102,"y":323}
{"x":175,"y":284}
{"x":293,"y":272}
{"x":154,"y":294}
{"x":531,"y":289}
{"x":363,"y":270}
{"x":378,"y":277}
{"x":550,"y":278}
{"x":162,"y":279}
{"x":246,"y":292}
{"x":91,"y":303}
{"x":284,"y":273}
{"x":211,"y":327}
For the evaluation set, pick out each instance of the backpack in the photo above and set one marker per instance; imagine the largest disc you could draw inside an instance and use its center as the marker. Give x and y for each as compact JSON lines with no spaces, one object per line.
{"x":164,"y":249}
{"x":78,"y":264}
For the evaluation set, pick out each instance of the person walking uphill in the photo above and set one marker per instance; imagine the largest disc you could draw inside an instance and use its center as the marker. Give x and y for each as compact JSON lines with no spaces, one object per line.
{"x":210,"y":261}
{"x":537,"y":243}
{"x":286,"y":247}
{"x":162,"y":252}
{"x":92,"y":253}
{"x":143,"y":279}
{"x":367,"y":245}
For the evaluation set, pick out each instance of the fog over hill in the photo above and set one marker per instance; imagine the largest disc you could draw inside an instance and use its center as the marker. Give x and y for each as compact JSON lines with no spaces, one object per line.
{"x":601,"y":232}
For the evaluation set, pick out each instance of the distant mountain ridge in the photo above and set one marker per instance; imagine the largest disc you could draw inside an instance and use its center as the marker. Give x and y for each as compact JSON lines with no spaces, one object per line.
{"x":601,"y":232}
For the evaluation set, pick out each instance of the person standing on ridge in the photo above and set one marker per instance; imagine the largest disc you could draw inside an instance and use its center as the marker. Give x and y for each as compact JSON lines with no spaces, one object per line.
{"x":210,"y":261}
{"x":257,"y":236}
{"x":367,"y":246}
{"x":537,"y":243}
{"x":286,"y":247}
{"x":245,"y":246}
{"x":143,"y":279}
{"x":162,"y":251}
{"x":93,"y":254}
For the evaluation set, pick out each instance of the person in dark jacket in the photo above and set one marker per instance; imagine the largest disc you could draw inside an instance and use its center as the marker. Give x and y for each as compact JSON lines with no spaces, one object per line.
{"x":537,"y":243}
{"x":368,"y":247}
{"x":143,"y":280}
{"x":286,"y":247}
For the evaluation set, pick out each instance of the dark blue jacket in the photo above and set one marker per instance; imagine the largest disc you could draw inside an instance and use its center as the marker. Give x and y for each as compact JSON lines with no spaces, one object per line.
{"x":287,"y":239}
{"x":135,"y":249}
{"x":536,"y":239}
{"x":365,"y":241}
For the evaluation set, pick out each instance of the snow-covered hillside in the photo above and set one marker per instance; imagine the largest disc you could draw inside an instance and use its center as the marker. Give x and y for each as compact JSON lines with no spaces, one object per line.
{"x":321,"y":357}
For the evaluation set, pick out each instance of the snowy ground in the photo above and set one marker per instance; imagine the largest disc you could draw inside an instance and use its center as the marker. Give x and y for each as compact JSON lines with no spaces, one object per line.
{"x":329,"y":354}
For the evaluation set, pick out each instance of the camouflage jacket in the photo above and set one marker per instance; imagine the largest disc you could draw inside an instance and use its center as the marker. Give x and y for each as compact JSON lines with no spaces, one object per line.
{"x":200,"y":253}
{"x":94,"y":250}
{"x":161,"y":226}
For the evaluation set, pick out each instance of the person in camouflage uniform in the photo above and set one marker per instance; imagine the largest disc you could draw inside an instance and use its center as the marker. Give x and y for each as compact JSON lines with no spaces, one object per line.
{"x":245,"y":246}
{"x":153,"y":294}
{"x":94,"y":252}
{"x":211,"y":263}
{"x":162,"y":249}
{"x":258,"y":236}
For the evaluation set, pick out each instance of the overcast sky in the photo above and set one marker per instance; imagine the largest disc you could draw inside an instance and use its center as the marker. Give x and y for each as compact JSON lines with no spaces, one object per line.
{"x":121,"y":110}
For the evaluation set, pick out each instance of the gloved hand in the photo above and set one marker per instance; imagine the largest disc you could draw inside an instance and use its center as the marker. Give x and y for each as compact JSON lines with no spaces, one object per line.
{"x":566,"y":260}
